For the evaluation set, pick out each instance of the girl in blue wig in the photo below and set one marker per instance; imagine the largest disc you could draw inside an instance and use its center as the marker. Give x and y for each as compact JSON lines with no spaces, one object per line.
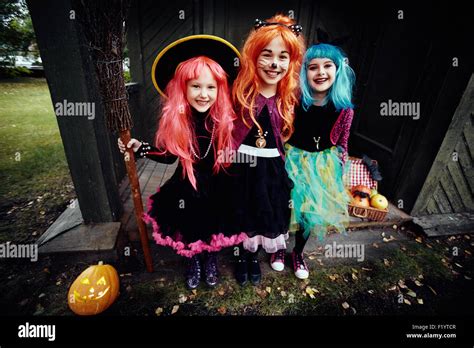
{"x":316,"y":152}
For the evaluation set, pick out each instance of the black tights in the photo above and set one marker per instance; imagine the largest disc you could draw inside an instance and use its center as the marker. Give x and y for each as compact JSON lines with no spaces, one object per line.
{"x":300,"y":241}
{"x":245,"y":254}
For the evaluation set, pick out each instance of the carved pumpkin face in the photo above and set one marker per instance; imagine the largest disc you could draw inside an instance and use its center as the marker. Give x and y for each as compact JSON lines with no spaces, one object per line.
{"x":94,"y":290}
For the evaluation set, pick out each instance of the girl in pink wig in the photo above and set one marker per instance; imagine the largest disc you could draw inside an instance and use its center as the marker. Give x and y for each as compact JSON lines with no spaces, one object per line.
{"x":196,"y":124}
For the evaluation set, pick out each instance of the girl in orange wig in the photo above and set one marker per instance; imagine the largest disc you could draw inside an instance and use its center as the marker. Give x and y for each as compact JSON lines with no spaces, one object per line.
{"x":196,"y":123}
{"x":264,"y":94}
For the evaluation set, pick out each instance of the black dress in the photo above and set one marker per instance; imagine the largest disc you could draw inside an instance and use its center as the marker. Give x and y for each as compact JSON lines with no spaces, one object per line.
{"x":312,"y":128}
{"x":182,"y":217}
{"x":259,"y":194}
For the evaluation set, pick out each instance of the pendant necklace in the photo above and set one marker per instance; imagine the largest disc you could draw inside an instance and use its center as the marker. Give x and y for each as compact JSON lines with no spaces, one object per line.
{"x":317,"y":142}
{"x":261,"y":142}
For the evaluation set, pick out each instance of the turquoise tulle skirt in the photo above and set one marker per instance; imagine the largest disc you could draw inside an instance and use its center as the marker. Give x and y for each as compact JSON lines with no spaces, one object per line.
{"x":319,"y":198}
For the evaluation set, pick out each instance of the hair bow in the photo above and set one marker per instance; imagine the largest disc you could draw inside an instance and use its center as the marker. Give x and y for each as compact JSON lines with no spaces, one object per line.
{"x":295,"y":28}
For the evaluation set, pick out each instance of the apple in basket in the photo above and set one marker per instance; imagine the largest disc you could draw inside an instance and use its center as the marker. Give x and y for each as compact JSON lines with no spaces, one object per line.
{"x":379,"y":201}
{"x":360,"y":196}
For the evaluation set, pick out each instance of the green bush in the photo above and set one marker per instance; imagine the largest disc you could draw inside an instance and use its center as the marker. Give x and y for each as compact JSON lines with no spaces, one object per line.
{"x":127,"y":77}
{"x":18,"y":71}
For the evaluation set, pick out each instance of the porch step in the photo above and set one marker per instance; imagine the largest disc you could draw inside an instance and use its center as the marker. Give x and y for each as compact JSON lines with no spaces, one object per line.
{"x":445,"y":224}
{"x":93,"y":242}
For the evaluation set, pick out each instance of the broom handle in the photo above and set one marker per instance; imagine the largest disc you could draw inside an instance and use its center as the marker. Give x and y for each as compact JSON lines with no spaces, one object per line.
{"x":137,"y":198}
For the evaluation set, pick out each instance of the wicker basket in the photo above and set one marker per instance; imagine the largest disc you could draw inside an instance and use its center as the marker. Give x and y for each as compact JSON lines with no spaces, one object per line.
{"x":369,"y":213}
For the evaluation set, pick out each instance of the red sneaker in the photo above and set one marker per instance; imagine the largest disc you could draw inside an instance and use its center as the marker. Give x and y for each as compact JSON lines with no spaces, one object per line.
{"x":277,"y":260}
{"x":299,"y":266}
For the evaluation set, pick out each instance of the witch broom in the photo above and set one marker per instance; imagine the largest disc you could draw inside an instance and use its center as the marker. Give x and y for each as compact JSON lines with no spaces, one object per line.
{"x":103,"y":23}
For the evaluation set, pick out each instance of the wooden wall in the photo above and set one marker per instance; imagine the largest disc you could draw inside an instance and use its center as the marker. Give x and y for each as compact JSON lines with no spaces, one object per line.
{"x":450,"y":185}
{"x":403,"y":60}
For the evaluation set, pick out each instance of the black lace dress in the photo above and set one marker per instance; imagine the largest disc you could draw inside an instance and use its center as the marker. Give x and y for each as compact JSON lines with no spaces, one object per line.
{"x":259,"y":194}
{"x":182,"y":217}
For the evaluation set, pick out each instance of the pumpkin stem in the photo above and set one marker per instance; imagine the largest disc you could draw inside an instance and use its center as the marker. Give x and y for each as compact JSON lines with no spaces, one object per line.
{"x":101,"y":263}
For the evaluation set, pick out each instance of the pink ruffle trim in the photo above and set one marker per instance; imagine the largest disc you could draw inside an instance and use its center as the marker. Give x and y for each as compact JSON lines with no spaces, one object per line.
{"x":218,"y":241}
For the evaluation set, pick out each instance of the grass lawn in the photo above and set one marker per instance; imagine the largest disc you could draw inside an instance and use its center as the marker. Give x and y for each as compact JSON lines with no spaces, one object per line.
{"x":35,"y":180}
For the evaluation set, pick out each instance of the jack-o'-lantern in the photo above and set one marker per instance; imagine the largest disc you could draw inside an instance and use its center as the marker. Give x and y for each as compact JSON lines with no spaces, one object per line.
{"x":94,"y":290}
{"x":361,"y":196}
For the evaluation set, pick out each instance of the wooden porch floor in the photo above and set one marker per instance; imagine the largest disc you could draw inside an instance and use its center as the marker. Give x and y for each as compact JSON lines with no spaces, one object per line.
{"x":153,"y":175}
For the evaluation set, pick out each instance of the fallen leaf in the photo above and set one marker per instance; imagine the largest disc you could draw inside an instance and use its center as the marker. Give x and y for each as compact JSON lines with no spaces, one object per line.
{"x":383,"y":234}
{"x":386,"y":262}
{"x":354,"y":277}
{"x":221,"y":292}
{"x":291,"y":298}
{"x":182,"y":298}
{"x":268,"y":289}
{"x":333,"y":277}
{"x":311,"y":291}
{"x":261,"y":293}
{"x":419,"y":300}
{"x":406,"y":301}
{"x":411,"y":293}
{"x":418,"y":283}
{"x":366,"y":269}
{"x":222,"y":310}
{"x":467,"y":252}
{"x":371,"y":292}
{"x":419,"y":240}
{"x":175,"y":309}
{"x":467,"y":278}
{"x":420,"y":276}
{"x":345,"y":305}
{"x":434,"y":292}
{"x":386,"y":240}
{"x":401,"y":284}
{"x":457,"y":264}
{"x":467,"y":236}
{"x":403,"y":248}
{"x":283,"y":293}
{"x":311,"y":257}
{"x":393,"y":288}
{"x":194,"y":292}
{"x":39,"y":309}
{"x":158,"y":311}
{"x":375,"y":245}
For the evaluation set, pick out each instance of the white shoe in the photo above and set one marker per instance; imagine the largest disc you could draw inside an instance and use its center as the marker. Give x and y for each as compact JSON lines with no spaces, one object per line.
{"x":277,"y":260}
{"x":299,"y":266}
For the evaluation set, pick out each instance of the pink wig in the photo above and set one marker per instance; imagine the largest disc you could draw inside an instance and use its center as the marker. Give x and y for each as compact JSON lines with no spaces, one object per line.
{"x":175,"y":132}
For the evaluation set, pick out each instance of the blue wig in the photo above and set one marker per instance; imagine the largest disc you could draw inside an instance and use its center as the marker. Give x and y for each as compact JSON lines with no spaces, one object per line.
{"x":340,"y":93}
